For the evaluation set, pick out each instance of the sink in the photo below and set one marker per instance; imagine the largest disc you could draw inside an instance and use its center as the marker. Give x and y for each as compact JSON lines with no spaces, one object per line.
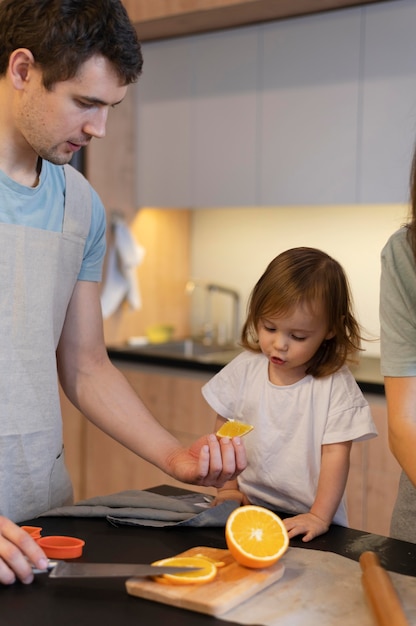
{"x":189,"y":348}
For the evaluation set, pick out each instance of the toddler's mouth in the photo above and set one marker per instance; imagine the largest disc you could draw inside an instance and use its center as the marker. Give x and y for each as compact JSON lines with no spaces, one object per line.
{"x":276,"y":361}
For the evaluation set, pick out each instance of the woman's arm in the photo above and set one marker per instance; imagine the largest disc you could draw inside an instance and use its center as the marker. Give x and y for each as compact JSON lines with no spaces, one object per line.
{"x":401,"y":412}
{"x":335,"y":463}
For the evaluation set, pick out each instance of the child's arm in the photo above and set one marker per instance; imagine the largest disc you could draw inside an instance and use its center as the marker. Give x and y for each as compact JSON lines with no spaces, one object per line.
{"x":335,"y":463}
{"x":230,"y":490}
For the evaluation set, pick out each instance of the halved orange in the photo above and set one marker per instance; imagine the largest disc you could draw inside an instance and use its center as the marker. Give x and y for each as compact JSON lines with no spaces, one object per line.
{"x":233,"y":428}
{"x":205,"y":574}
{"x":255,"y":536}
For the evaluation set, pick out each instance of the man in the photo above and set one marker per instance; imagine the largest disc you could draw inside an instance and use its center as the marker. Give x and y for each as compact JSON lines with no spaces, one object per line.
{"x":63,"y":64}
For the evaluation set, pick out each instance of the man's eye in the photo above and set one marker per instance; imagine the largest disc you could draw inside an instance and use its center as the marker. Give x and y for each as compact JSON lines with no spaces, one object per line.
{"x":84,"y":105}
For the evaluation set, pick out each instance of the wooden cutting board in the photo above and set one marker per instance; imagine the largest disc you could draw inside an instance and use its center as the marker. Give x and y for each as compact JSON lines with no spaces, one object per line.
{"x":234,"y":584}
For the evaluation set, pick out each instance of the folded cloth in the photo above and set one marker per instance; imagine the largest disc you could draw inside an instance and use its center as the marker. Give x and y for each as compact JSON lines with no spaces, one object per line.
{"x":144,"y":508}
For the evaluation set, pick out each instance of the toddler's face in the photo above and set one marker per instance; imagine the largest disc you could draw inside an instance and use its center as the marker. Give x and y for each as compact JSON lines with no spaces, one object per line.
{"x":291,"y":339}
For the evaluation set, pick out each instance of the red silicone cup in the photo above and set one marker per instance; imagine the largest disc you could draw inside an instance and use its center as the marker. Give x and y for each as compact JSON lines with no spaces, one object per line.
{"x":57,"y":547}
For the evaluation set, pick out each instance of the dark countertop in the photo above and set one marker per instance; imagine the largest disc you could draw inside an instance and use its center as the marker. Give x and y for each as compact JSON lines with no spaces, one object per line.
{"x":106,"y":602}
{"x":367,"y":373}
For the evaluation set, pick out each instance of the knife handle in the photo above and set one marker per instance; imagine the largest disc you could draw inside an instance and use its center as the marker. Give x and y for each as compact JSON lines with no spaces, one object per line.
{"x":380,"y":592}
{"x":51,"y":565}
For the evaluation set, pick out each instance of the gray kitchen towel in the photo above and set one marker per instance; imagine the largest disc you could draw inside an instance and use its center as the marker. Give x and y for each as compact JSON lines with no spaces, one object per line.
{"x":144,"y":508}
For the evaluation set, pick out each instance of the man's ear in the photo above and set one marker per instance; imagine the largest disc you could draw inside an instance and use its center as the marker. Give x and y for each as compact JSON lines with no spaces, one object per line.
{"x":20,"y":62}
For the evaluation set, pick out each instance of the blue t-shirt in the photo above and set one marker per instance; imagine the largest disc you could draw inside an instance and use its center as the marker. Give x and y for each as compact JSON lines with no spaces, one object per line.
{"x":43,"y":207}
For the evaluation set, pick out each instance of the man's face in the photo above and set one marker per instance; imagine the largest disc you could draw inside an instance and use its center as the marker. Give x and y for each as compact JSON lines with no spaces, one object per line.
{"x":57,"y":123}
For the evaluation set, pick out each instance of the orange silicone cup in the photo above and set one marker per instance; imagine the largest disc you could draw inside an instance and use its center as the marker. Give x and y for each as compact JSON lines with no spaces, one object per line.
{"x":57,"y":547}
{"x":34,"y":531}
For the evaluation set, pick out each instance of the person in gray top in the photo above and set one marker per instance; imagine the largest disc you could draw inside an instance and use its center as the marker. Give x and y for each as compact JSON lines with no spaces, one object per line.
{"x":63,"y":65}
{"x":398,"y":362}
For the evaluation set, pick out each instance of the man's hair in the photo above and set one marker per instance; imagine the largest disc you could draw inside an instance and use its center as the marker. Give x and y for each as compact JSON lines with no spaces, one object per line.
{"x":63,"y":34}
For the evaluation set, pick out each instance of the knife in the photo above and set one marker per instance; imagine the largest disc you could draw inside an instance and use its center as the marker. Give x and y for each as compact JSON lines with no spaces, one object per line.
{"x":63,"y":569}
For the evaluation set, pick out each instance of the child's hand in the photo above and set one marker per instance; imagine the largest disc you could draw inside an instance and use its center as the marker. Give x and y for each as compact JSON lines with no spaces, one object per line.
{"x":306,"y":524}
{"x":229,"y":494}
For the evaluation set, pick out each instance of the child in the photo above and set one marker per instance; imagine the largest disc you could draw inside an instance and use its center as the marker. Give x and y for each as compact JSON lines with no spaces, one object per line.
{"x":292,"y":384}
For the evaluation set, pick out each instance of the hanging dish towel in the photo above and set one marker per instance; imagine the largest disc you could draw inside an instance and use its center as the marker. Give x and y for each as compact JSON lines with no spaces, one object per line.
{"x":124,"y":256}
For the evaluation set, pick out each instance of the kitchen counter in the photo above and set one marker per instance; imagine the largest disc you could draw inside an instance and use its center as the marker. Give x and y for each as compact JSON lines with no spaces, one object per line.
{"x":106,"y":602}
{"x":367,"y":373}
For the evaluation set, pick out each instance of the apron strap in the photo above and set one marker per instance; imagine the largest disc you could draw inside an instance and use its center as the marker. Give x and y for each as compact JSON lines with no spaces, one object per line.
{"x":78,"y":203}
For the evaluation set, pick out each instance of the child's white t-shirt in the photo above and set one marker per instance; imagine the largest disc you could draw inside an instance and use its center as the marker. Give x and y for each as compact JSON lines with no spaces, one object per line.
{"x":291,"y":423}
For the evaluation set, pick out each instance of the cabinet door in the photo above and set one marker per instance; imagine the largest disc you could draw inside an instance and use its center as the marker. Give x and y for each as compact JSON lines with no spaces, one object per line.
{"x":164,"y":128}
{"x":374,"y":476}
{"x":309,"y":109}
{"x":74,"y":432}
{"x":389,"y":102}
{"x":224,"y":118}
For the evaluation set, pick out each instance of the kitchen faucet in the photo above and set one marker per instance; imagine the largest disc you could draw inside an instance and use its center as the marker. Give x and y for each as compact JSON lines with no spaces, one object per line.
{"x":212,"y":288}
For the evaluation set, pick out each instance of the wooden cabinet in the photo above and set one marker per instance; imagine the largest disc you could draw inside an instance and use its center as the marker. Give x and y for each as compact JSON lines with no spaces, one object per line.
{"x":374,"y":476}
{"x":156,"y":19}
{"x":98,"y":465}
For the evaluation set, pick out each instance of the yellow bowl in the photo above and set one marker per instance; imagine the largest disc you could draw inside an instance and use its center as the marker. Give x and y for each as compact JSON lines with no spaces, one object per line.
{"x":159,"y":333}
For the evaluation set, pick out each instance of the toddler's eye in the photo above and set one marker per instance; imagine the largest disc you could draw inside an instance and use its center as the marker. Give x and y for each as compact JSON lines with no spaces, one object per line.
{"x":296,"y":338}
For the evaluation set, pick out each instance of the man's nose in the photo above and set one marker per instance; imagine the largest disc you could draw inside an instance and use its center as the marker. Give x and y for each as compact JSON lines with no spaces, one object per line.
{"x":96,"y":125}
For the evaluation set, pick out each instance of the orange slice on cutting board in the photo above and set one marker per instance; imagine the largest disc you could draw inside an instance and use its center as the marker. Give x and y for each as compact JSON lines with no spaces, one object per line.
{"x":207,"y":570}
{"x":233,"y":428}
{"x":255,"y":536}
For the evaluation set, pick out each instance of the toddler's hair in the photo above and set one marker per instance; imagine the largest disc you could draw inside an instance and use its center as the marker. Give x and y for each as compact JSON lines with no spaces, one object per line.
{"x":306,"y":276}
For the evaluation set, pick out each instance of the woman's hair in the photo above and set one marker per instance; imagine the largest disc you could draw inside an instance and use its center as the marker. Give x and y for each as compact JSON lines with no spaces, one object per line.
{"x":307,"y":276}
{"x":63,"y":34}
{"x":411,"y":226}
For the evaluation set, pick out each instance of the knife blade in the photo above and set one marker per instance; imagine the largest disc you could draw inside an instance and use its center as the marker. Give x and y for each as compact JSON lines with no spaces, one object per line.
{"x":63,"y":569}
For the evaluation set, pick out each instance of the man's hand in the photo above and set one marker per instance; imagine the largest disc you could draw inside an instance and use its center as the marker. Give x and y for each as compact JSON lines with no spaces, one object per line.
{"x":209,"y":462}
{"x":306,"y":524}
{"x":18,"y":551}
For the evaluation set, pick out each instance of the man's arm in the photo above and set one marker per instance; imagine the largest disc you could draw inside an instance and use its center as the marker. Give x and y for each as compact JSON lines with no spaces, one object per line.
{"x":401,"y":411}
{"x":104,"y":396}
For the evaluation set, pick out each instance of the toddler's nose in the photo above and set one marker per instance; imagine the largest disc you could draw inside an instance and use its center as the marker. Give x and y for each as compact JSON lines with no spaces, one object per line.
{"x":280,"y":342}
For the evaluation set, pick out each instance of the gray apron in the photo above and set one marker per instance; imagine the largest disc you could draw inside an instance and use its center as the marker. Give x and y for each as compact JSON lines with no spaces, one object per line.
{"x":38,"y":273}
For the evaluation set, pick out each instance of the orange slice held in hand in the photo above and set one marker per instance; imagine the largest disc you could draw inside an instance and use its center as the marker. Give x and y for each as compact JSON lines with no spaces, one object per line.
{"x":255,"y":536}
{"x":233,"y":428}
{"x":206,"y":573}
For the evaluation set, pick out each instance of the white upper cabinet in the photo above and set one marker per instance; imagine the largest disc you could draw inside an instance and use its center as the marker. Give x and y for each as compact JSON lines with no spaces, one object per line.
{"x":224,"y":121}
{"x":388,"y":102}
{"x":163,"y":162}
{"x":319,"y":109}
{"x":197,"y":120}
{"x":308,"y":109}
